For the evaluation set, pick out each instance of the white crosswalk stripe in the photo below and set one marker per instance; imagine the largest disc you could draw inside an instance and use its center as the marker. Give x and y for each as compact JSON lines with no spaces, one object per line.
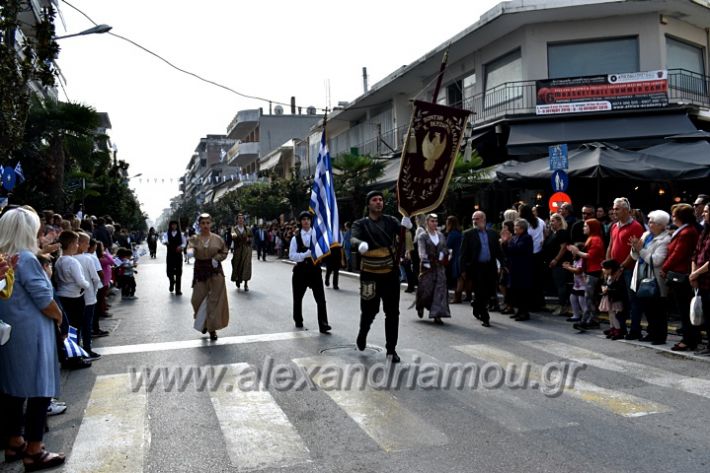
{"x":257,"y":432}
{"x":115,"y":423}
{"x":377,"y":412}
{"x":617,"y":402}
{"x":648,"y":374}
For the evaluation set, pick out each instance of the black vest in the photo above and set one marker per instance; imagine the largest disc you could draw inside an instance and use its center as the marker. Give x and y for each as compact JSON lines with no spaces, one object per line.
{"x":308,"y":263}
{"x":174,"y":242}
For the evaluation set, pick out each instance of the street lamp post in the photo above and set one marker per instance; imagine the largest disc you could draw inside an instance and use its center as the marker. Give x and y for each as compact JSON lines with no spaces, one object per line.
{"x":98,"y":29}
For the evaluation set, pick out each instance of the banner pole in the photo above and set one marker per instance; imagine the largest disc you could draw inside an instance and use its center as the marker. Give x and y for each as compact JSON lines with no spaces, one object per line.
{"x":439,"y":79}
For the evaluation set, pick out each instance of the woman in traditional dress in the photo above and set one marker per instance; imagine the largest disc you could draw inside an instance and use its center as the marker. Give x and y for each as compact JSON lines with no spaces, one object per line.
{"x":432,"y":293}
{"x":208,"y":281}
{"x":241,"y":259}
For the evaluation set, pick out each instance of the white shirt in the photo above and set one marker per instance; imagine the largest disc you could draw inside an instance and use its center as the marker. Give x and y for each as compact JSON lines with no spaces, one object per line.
{"x":293,"y":254}
{"x":70,"y":277}
{"x":91,"y":275}
{"x":538,"y":235}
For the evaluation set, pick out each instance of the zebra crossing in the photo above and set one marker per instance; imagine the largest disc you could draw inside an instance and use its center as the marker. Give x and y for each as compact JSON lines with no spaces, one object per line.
{"x":260,"y":433}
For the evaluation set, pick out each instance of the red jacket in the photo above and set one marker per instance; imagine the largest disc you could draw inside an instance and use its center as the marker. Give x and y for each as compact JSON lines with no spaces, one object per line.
{"x":680,"y":250}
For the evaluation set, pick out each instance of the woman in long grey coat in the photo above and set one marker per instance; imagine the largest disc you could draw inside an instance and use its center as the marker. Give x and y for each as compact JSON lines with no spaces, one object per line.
{"x":432,"y":292}
{"x":29,"y":369}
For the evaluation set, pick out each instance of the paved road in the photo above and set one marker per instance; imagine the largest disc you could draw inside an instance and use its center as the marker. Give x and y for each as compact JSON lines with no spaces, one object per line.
{"x":631,"y":408}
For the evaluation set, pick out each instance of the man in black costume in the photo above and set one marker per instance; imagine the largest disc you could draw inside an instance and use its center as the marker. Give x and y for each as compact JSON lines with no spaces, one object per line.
{"x":176,"y":243}
{"x":376,"y":239}
{"x":306,"y":274}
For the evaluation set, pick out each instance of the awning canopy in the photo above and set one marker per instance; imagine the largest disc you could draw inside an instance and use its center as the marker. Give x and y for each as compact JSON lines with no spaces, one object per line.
{"x":600,"y":160}
{"x":696,"y":153}
{"x":535,"y":137}
{"x":270,"y":161}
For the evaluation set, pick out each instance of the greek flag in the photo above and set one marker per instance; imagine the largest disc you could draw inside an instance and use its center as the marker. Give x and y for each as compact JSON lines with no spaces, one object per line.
{"x":19,"y":172}
{"x":324,"y":206}
{"x":72,"y":346}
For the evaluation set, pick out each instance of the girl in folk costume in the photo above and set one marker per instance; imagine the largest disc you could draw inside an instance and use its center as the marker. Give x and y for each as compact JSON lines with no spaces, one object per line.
{"x":432,"y":292}
{"x":241,"y":260}
{"x":208,"y":281}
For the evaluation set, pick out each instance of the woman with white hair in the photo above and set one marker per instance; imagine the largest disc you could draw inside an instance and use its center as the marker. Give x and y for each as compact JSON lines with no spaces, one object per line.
{"x":432,"y":293}
{"x":650,"y":253}
{"x":29,"y":368}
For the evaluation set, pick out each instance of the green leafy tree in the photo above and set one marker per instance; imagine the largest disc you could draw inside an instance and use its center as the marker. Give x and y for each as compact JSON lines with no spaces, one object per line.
{"x":34,"y":63}
{"x":353,"y":174}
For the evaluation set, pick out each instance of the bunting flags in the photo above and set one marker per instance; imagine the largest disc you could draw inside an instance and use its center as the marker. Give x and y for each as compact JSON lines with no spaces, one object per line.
{"x":324,"y":205}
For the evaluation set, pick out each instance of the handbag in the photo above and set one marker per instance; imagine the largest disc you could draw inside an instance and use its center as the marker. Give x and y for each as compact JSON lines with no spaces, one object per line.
{"x":697,"y":317}
{"x":648,"y":288}
{"x":5,"y":331}
{"x":676,"y":278}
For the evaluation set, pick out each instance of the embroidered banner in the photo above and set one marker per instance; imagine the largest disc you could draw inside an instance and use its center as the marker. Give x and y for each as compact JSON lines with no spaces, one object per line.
{"x":428,"y":157}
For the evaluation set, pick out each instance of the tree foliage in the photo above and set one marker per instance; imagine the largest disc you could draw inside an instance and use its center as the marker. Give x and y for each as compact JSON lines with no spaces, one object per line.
{"x":353,"y":175}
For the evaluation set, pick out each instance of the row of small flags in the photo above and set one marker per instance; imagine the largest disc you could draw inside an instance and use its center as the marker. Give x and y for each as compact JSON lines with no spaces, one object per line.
{"x":11,"y":176}
{"x":201,"y":180}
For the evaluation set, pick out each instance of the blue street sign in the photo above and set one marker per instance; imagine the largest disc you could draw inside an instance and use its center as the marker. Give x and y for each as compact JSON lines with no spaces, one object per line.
{"x":560,"y":181}
{"x":558,"y":157}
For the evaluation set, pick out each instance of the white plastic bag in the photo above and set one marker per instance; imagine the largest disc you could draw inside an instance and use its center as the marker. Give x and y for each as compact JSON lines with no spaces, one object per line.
{"x":696,"y":310}
{"x":201,"y":317}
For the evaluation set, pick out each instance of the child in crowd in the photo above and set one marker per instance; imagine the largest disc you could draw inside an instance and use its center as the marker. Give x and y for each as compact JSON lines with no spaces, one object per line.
{"x":613,"y":297}
{"x":577,"y":299}
{"x":126,"y":272}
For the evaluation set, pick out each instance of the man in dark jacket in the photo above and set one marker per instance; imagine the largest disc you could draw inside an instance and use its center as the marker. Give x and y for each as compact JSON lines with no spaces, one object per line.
{"x":480,"y":249}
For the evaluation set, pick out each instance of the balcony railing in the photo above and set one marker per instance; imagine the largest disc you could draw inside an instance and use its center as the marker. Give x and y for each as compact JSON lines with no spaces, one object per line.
{"x":519,"y":98}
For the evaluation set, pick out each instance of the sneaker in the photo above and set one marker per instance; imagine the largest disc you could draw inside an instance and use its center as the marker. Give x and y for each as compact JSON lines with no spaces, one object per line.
{"x":55,"y":409}
{"x":92,"y":356}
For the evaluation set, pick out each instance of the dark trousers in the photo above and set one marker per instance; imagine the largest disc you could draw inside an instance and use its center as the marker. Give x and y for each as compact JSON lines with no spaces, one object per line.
{"x":384,"y":287}
{"x":656,"y":312}
{"x":29,"y":423}
{"x":174,"y":271}
{"x":74,"y":308}
{"x":101,"y":305}
{"x":632,"y":308}
{"x":87,"y":326}
{"x":538,"y":292}
{"x":521,"y":297}
{"x":679,"y":295}
{"x":261,"y":251}
{"x":485,"y":279}
{"x":302,"y":279}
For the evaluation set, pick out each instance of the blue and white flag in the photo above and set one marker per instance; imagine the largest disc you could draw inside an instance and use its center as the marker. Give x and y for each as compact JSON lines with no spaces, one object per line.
{"x":72,"y":346}
{"x":19,"y":172}
{"x":324,"y":206}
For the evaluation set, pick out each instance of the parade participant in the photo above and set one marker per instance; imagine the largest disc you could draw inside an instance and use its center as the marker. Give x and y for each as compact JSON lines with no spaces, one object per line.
{"x":208,"y":280}
{"x":152,"y":241}
{"x":480,"y":250}
{"x":241,"y":258}
{"x":306,"y":274}
{"x":375,"y":237}
{"x":176,"y":243}
{"x":432,"y":293}
{"x":518,"y":249}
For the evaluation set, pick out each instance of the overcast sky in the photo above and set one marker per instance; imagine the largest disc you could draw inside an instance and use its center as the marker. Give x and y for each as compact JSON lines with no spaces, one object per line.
{"x":267,"y":48}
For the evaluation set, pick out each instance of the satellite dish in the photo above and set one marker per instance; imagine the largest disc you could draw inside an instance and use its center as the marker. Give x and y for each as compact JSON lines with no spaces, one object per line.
{"x":279,"y":110}
{"x":311,"y":110}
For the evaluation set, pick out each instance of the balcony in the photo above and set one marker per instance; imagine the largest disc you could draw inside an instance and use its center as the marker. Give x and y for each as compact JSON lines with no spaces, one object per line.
{"x":519,"y":98}
{"x":242,"y":154}
{"x":243,"y":123}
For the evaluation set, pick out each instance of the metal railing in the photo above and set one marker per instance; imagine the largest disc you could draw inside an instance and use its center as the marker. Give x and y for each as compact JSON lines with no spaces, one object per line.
{"x":519,"y":98}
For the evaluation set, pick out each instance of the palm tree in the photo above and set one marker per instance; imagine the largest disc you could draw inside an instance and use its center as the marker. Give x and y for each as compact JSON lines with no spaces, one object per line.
{"x":353,"y":174}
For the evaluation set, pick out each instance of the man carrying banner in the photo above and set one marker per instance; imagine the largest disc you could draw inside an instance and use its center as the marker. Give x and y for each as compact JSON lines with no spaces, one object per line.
{"x":376,"y":237}
{"x":306,"y":273}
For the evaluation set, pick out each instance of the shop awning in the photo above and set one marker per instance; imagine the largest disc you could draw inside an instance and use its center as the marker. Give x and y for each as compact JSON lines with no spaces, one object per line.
{"x":535,"y":137}
{"x":270,"y":161}
{"x":598,"y":160}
